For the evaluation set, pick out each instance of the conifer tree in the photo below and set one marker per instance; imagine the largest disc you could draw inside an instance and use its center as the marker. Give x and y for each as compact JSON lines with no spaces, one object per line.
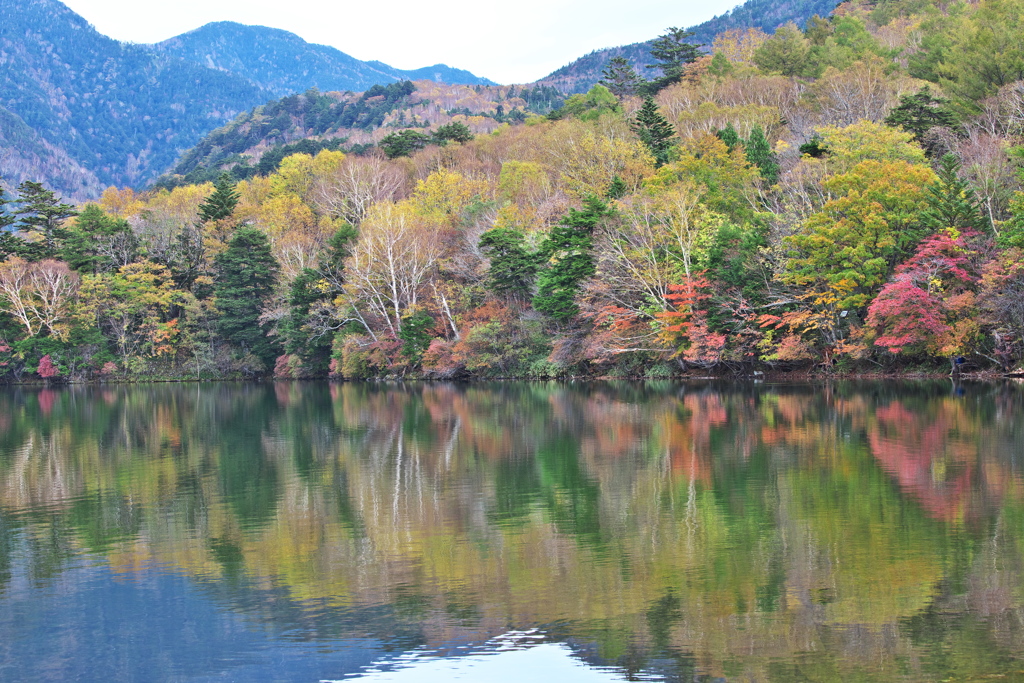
{"x":919,"y":113}
{"x":99,"y":242}
{"x":513,"y":267}
{"x":620,"y":77}
{"x":42,"y":213}
{"x":672,"y":53}
{"x":8,"y":242}
{"x":567,"y":251}
{"x":952,"y":202}
{"x":221,"y":204}
{"x":759,"y":153}
{"x":729,"y":136}
{"x":246,"y":273}
{"x":654,"y":131}
{"x":617,"y":189}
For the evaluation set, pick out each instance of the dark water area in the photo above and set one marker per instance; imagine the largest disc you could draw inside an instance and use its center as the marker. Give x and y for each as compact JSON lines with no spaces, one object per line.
{"x":661,"y":531}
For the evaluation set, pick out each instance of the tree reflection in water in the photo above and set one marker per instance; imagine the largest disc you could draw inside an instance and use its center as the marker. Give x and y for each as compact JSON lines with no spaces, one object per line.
{"x":749,"y":531}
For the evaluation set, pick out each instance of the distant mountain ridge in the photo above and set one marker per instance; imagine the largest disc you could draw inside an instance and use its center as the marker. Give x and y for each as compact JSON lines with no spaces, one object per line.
{"x":583,"y":73}
{"x":283,"y":63}
{"x":80,"y":111}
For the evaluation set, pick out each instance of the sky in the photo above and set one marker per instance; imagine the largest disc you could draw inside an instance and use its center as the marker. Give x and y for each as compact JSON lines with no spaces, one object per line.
{"x":508,"y":42}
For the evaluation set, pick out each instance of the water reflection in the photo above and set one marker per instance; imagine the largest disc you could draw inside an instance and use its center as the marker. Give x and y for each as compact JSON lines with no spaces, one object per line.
{"x":673,"y":531}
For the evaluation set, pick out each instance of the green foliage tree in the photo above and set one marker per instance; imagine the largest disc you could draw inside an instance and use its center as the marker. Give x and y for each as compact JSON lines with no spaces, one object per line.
{"x":513,"y":266}
{"x":787,"y":52}
{"x":919,"y":113}
{"x":597,"y":101}
{"x":415,"y":334}
{"x":403,"y":143}
{"x":672,"y":53}
{"x":8,"y":242}
{"x":729,"y":136}
{"x":952,"y":202}
{"x":985,"y":51}
{"x":654,"y":130}
{"x":620,"y":77}
{"x":99,"y":242}
{"x":42,"y":214}
{"x":246,"y":273}
{"x":759,"y":153}
{"x":222,"y":202}
{"x":452,"y":132}
{"x":567,"y":253}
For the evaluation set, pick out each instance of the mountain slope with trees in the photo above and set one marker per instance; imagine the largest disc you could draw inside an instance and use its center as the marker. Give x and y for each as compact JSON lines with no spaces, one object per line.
{"x":282,"y":63}
{"x":582,"y":74}
{"x":82,"y":111}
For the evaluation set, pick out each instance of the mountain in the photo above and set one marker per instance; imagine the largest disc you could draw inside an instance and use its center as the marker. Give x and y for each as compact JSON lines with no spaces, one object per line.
{"x":80,"y":111}
{"x":121,"y":112}
{"x":283,"y":63}
{"x":582,"y":74}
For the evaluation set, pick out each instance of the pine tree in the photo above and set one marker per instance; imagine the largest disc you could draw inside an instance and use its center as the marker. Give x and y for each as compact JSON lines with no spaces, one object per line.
{"x":620,"y":77}
{"x":246,"y":273}
{"x":654,"y":131}
{"x":567,"y":251}
{"x":221,"y":204}
{"x":42,"y":213}
{"x":759,"y":153}
{"x":952,"y":202}
{"x":672,"y":53}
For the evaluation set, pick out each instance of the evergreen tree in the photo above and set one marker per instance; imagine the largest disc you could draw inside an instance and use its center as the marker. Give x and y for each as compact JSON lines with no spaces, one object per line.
{"x":98,"y":242}
{"x":415,"y":335}
{"x":306,"y":337}
{"x":759,"y":153}
{"x":453,"y":132}
{"x":729,"y":136}
{"x":9,"y":244}
{"x":620,"y":77}
{"x":952,"y":202}
{"x":42,"y":213}
{"x":513,"y":267}
{"x":567,"y":251}
{"x":672,"y":53}
{"x":654,"y":131}
{"x":919,"y":113}
{"x":618,"y":188}
{"x":246,"y":273}
{"x":403,"y":143}
{"x":221,"y":204}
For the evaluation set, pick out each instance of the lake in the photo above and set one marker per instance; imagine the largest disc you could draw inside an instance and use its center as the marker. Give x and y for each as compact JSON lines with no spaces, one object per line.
{"x":662,"y":531}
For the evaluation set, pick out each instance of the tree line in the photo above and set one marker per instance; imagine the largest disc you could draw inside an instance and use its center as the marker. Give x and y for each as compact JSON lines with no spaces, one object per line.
{"x":845,"y":197}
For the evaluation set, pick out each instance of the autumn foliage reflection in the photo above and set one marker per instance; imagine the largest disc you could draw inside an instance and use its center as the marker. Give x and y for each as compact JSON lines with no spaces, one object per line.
{"x":719,"y":526}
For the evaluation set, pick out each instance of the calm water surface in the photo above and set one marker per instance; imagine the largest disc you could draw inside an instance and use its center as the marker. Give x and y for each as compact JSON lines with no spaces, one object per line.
{"x":512,"y":532}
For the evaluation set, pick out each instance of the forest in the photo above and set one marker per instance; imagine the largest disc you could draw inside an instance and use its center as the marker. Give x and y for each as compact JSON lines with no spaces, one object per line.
{"x":842,"y":198}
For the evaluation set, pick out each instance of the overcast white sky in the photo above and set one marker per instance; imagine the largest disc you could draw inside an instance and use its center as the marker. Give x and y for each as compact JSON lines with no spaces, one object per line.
{"x":515,"y":41}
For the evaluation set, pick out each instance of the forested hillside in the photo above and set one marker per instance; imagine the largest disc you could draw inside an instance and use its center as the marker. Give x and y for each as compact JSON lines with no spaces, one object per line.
{"x":82,"y":111}
{"x":284,"y":64}
{"x":121,"y":112}
{"x":767,"y":15}
{"x":257,"y":141}
{"x":841,"y":198}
